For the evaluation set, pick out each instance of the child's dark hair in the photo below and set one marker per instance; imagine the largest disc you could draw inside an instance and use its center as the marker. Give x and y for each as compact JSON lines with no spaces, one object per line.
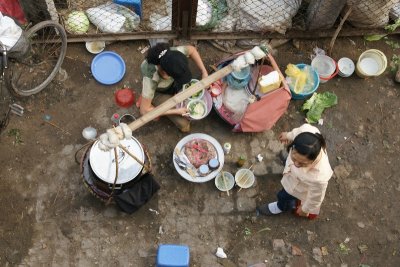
{"x":308,"y":144}
{"x":153,"y":55}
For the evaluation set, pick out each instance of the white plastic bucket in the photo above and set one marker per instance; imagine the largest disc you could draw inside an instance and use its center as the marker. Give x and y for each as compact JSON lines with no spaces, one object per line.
{"x":325,"y":66}
{"x":371,"y":63}
{"x":346,"y":67}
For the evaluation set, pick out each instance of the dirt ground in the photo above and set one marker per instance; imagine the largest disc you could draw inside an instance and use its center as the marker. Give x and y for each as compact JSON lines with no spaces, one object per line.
{"x":49,"y":218}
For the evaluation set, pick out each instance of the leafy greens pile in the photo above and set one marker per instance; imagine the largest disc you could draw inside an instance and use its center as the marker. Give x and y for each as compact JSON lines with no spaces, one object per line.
{"x":317,"y":104}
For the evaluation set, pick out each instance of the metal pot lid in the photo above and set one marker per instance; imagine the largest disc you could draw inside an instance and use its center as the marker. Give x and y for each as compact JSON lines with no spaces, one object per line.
{"x":103,"y":163}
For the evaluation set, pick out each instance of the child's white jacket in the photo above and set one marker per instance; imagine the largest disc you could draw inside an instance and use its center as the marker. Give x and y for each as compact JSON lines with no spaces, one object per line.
{"x":308,"y":184}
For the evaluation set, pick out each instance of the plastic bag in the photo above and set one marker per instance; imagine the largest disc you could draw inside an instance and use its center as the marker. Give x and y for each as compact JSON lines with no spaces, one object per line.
{"x":10,"y":32}
{"x":300,"y":80}
{"x":236,"y":101}
{"x":297,"y":77}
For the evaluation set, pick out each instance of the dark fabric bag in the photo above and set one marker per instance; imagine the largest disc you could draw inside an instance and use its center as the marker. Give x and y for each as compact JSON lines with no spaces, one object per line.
{"x":131,"y":199}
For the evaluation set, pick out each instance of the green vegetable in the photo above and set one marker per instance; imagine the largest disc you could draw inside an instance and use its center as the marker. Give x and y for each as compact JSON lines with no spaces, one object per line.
{"x":394,"y":63}
{"x":196,"y":95}
{"x":374,"y":37}
{"x":317,"y":104}
{"x":196,"y":109}
{"x":393,"y":27}
{"x":393,"y":44}
{"x":77,"y":22}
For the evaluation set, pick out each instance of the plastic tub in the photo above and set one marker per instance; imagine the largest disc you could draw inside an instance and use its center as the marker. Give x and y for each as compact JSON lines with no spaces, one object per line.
{"x":301,"y":96}
{"x":325,"y":66}
{"x":371,"y":63}
{"x":346,"y":67}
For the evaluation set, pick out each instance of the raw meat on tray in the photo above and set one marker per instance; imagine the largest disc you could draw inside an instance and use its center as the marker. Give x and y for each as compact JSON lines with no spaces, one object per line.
{"x":199,"y":152}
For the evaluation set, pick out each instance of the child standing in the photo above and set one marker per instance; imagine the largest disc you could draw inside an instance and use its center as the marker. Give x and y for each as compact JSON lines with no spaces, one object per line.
{"x":305,"y":176}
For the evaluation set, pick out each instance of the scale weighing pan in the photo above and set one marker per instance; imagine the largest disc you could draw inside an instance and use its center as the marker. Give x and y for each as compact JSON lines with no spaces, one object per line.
{"x":108,"y":68}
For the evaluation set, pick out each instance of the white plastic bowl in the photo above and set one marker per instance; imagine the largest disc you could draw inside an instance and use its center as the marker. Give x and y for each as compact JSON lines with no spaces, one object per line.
{"x":201,"y":102}
{"x":95,"y":47}
{"x":227,"y":184}
{"x":244,"y":178}
{"x":198,"y":95}
{"x":325,"y":66}
{"x":346,"y":67}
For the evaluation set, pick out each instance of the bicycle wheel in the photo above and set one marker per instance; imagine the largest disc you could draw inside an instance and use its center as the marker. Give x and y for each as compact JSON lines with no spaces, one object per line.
{"x":37,"y":68}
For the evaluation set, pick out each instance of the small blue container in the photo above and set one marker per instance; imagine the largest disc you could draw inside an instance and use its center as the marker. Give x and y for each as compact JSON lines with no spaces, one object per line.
{"x":306,"y":95}
{"x":239,"y":79}
{"x":169,"y":255}
{"x":135,"y":4}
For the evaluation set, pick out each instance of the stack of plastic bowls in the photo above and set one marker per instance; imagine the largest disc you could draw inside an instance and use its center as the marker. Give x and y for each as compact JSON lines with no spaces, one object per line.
{"x":346,"y":67}
{"x":239,"y":79}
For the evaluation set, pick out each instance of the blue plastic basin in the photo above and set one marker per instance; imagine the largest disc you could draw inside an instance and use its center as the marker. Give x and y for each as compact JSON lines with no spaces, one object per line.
{"x":308,"y":94}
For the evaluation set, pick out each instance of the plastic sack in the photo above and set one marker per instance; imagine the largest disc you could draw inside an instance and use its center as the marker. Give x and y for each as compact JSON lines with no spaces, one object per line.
{"x":113,"y":18}
{"x":369,"y":13}
{"x":160,"y":23}
{"x":236,"y":101}
{"x":394,"y":13}
{"x":10,"y":32}
{"x":272,"y":15}
{"x":204,"y":12}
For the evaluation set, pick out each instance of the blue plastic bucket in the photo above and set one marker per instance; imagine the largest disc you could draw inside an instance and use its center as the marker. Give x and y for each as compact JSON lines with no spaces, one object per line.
{"x":305,"y":95}
{"x":239,"y":79}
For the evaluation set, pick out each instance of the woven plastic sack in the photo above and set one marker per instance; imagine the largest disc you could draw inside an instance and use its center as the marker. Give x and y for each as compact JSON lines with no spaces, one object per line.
{"x":160,"y":23}
{"x":369,"y":13}
{"x":322,"y":14}
{"x":394,"y":13}
{"x":204,"y":13}
{"x":113,"y":18}
{"x":272,"y":15}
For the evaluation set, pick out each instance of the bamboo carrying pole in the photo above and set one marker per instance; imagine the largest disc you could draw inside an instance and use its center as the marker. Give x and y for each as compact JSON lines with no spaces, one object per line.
{"x":178,"y":98}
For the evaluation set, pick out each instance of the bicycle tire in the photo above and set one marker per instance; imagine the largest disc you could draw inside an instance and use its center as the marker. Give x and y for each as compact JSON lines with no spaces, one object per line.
{"x":43,"y":60}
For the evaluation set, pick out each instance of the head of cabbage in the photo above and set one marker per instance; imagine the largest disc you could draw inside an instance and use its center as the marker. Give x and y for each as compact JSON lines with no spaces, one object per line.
{"x":77,"y":22}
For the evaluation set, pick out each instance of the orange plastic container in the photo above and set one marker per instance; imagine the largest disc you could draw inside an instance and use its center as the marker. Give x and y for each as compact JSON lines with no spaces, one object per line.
{"x":125,"y":97}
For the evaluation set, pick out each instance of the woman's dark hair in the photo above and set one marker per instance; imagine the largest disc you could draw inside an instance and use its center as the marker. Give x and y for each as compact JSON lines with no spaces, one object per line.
{"x":308,"y":144}
{"x":153,"y":55}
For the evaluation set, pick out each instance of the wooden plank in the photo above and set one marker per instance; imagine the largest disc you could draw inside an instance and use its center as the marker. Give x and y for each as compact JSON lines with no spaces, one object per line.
{"x":201,"y":35}
{"x":293,"y":33}
{"x":178,"y":98}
